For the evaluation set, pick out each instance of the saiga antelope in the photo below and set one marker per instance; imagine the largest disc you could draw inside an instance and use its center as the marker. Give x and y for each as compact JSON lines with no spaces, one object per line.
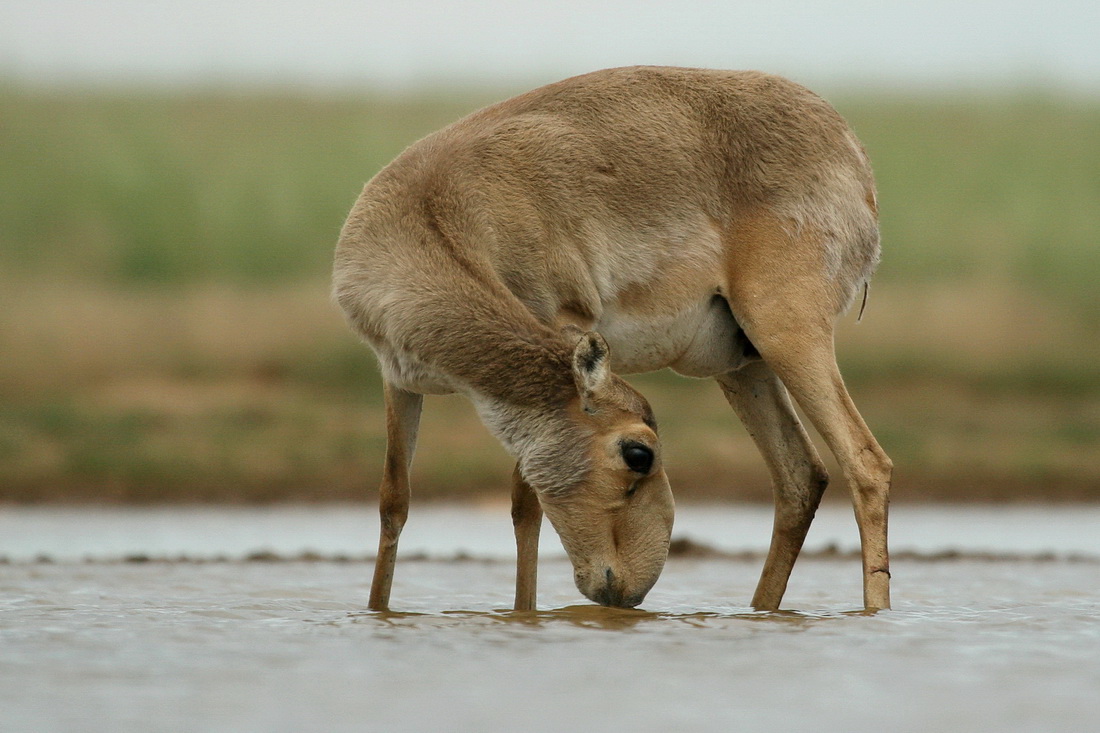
{"x":714,"y":222}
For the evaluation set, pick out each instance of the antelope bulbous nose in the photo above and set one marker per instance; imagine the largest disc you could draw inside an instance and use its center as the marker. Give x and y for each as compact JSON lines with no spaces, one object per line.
{"x":610,"y":594}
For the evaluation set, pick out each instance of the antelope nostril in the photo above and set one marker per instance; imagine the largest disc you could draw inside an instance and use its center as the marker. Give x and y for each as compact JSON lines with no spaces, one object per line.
{"x":609,"y":595}
{"x":613,"y":597}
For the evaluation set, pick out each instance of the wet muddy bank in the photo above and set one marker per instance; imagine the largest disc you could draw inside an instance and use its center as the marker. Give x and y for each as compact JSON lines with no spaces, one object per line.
{"x":342,"y":532}
{"x":680,"y":548}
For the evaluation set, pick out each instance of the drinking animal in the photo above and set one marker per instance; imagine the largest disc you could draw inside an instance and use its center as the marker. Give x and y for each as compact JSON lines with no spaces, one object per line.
{"x":714,"y":222}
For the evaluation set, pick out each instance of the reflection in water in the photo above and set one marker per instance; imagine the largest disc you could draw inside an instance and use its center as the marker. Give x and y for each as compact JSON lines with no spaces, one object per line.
{"x":591,"y":616}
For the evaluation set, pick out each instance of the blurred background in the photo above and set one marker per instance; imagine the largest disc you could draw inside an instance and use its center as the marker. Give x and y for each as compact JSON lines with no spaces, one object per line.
{"x":173,"y":177}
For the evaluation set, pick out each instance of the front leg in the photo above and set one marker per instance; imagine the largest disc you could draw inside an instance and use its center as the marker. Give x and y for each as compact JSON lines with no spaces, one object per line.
{"x":527,"y":521}
{"x":402,"y":422}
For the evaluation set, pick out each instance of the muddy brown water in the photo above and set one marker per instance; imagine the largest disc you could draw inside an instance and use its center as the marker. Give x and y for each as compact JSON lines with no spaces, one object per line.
{"x":981,"y":642}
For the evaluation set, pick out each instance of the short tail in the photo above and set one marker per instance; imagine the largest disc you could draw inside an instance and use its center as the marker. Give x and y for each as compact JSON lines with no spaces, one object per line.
{"x":863,"y":305}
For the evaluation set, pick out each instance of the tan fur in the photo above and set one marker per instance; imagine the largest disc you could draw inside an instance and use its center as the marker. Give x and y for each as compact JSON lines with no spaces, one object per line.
{"x":695,"y":219}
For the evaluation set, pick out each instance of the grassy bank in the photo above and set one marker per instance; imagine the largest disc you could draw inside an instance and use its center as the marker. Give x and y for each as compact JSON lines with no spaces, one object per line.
{"x":166,"y":335}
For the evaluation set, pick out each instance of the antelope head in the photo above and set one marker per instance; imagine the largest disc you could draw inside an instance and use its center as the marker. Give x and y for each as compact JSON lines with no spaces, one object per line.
{"x":603,"y":486}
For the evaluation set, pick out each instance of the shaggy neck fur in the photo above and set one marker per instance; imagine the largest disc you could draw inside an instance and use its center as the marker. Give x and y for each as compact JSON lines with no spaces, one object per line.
{"x":550,"y":448}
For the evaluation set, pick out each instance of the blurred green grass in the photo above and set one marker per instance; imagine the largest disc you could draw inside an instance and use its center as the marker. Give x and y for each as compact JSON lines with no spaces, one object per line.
{"x":1000,"y":189}
{"x":166,"y":333}
{"x":163,"y":188}
{"x":157,"y":188}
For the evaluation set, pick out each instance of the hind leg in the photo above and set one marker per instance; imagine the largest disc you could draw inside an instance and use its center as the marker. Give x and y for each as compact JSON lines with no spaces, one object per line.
{"x":809,"y":370}
{"x":801,"y":355}
{"x":782,"y":297}
{"x":402,"y":421}
{"x":798,"y":476}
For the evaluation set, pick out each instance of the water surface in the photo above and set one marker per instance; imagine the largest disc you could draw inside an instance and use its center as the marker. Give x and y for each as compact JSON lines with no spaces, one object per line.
{"x":972,"y":644}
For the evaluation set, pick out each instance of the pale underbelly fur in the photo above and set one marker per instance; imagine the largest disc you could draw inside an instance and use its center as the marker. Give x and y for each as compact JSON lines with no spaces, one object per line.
{"x":702,"y":340}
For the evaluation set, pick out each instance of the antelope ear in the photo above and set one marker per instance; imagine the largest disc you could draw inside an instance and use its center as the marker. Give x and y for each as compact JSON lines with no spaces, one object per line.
{"x":591,"y":366}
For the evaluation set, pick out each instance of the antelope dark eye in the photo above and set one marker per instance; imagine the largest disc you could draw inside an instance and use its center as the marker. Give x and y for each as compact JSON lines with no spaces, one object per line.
{"x":638,"y":457}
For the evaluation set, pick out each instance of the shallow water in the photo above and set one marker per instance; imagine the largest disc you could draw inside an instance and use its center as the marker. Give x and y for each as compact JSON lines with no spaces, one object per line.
{"x":485,"y":531}
{"x":286,"y":646}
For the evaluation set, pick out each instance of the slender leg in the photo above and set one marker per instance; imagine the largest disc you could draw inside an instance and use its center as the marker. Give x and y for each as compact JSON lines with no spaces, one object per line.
{"x":798,"y":476}
{"x":783,"y":293}
{"x":402,"y":421}
{"x":803,"y":358}
{"x":527,"y":521}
